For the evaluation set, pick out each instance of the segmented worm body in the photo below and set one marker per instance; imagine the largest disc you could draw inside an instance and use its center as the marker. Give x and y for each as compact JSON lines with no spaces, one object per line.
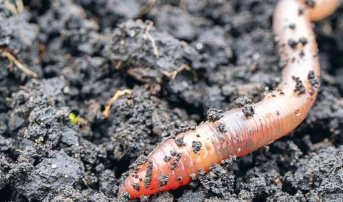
{"x":176,"y":161}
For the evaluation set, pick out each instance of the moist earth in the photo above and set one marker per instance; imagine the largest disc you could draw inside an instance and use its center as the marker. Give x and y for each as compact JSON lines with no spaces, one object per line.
{"x":180,"y":59}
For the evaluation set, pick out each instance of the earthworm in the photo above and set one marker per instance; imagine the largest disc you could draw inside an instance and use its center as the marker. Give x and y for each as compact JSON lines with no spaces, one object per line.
{"x":176,"y":161}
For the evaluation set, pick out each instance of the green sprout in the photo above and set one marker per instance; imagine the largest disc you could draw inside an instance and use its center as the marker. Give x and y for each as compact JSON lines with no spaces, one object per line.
{"x":77,"y":120}
{"x":73,"y":118}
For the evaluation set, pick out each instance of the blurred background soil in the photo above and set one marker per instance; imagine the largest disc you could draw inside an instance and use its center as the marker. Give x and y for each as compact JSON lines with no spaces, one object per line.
{"x":179,"y":58}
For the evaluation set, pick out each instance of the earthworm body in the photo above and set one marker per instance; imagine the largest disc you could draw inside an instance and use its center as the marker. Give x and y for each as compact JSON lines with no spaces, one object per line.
{"x":175,"y":161}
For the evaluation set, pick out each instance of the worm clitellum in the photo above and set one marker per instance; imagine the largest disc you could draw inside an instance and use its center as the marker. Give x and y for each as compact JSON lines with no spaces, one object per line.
{"x":175,"y":161}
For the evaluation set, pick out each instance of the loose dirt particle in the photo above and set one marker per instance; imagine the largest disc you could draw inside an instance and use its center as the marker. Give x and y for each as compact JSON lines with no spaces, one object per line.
{"x":310,"y":3}
{"x":201,"y":172}
{"x":313,"y":81}
{"x":196,"y":146}
{"x":292,"y":26}
{"x":248,"y":111}
{"x":140,"y":161}
{"x":214,"y":114}
{"x":178,"y":156}
{"x":136,"y":186}
{"x":173,"y":164}
{"x":136,"y":165}
{"x":144,"y":198}
{"x":179,"y":142}
{"x":182,"y":128}
{"x":301,"y":11}
{"x":163,"y":180}
{"x":173,"y":153}
{"x":166,"y":158}
{"x":292,"y":43}
{"x":148,"y":176}
{"x":302,"y":53}
{"x":303,"y":41}
{"x":222,"y":128}
{"x":242,"y":101}
{"x":299,"y":87}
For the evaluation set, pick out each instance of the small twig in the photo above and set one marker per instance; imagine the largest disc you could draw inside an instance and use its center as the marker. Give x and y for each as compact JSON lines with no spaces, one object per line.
{"x":41,"y":51}
{"x":146,"y":7}
{"x":85,"y":182}
{"x":16,"y":8}
{"x":340,"y":102}
{"x":20,"y":6}
{"x":183,"y":4}
{"x":172,"y":75}
{"x":11,"y":7}
{"x":152,"y":40}
{"x":12,"y":59}
{"x":117,"y":95}
{"x":118,"y":65}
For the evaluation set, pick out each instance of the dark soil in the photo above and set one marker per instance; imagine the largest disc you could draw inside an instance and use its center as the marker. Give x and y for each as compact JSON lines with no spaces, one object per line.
{"x":86,"y":50}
